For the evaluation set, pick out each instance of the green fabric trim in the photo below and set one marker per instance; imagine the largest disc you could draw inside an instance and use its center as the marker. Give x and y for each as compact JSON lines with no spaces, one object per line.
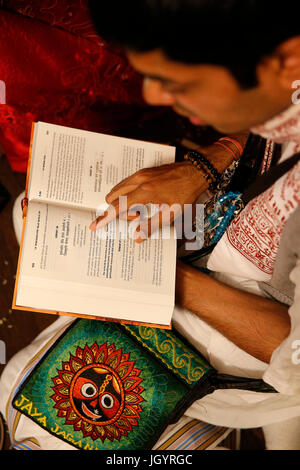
{"x":172,"y":351}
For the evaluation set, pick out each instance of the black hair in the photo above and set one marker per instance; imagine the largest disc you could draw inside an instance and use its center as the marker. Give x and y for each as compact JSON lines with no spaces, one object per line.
{"x":236,"y":34}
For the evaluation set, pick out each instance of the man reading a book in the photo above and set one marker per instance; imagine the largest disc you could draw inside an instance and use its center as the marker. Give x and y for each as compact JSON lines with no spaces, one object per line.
{"x":234,"y":66}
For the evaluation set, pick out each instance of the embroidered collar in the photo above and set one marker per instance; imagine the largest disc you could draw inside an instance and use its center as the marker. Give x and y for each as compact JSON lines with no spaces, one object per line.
{"x":283,"y":128}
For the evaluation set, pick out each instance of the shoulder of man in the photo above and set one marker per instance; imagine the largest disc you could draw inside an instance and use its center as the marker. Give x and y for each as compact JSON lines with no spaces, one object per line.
{"x":280,"y":287}
{"x":292,"y":232}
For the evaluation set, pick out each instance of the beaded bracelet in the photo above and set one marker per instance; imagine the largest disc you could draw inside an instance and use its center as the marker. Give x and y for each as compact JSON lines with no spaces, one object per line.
{"x":210,"y":180}
{"x":210,"y":173}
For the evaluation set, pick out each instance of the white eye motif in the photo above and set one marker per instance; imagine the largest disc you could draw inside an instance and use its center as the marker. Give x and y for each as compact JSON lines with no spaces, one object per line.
{"x":107,"y":401}
{"x":88,"y":390}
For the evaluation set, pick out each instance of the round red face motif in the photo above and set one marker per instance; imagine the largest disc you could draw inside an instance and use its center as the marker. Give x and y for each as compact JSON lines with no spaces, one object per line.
{"x":97,"y":394}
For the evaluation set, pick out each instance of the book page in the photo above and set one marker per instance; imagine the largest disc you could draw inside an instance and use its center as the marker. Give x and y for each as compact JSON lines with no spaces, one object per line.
{"x":79,"y":168}
{"x":67,"y":264}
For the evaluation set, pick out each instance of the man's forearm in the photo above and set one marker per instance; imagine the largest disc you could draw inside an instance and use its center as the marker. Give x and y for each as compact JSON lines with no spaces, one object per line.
{"x":228,"y":149}
{"x":255,"y":324}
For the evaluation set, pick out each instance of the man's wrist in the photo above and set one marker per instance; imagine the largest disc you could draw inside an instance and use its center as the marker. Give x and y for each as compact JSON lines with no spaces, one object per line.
{"x":221,"y":157}
{"x":205,"y":167}
{"x":234,"y":144}
{"x":198,"y":179}
{"x":218,"y":156}
{"x":187,"y":284}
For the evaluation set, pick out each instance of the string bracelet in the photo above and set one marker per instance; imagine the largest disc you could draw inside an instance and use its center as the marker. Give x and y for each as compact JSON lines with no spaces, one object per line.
{"x":235,"y":143}
{"x":235,"y":156}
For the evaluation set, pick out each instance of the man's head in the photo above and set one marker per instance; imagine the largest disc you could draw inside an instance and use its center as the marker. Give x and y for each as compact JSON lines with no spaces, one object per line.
{"x":228,"y":63}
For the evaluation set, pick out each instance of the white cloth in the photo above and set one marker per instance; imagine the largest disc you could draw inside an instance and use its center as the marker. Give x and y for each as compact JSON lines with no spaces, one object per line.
{"x":247,"y":251}
{"x":283,"y":372}
{"x":276,"y":436}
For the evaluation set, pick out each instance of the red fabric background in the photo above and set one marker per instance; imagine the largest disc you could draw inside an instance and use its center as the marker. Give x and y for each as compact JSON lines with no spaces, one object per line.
{"x":57,"y":70}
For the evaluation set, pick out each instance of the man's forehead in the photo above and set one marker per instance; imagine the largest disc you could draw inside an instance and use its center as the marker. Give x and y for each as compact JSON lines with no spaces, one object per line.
{"x":157,"y":66}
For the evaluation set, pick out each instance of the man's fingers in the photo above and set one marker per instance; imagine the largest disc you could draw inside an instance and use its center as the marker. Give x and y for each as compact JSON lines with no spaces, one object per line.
{"x":101,"y":221}
{"x":130,"y":215}
{"x":148,"y":227}
{"x":123,"y":207}
{"x":129,"y":184}
{"x":132,"y":183}
{"x":119,"y":190}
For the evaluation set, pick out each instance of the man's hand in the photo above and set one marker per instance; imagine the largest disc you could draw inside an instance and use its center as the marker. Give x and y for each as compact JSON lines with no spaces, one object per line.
{"x":165,"y":186}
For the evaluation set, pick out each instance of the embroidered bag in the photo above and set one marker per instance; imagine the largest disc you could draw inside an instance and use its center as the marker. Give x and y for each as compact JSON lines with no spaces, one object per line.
{"x":110,"y":386}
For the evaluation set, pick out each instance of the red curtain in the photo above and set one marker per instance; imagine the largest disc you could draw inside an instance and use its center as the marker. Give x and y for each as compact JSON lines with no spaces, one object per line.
{"x":57,"y":69}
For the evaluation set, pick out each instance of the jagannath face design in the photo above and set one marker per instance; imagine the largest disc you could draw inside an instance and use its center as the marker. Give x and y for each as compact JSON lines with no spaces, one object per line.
{"x":98,"y":391}
{"x":97,"y":394}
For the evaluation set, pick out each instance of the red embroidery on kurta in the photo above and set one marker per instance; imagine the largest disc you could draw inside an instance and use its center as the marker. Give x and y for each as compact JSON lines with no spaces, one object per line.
{"x":284,"y":127}
{"x":256,"y":232}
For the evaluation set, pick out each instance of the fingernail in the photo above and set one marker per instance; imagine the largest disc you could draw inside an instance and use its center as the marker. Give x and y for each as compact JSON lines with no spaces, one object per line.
{"x":93,"y":225}
{"x":139,"y":240}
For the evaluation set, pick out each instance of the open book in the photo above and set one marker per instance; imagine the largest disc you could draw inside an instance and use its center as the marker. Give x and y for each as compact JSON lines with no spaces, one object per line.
{"x":64,"y":267}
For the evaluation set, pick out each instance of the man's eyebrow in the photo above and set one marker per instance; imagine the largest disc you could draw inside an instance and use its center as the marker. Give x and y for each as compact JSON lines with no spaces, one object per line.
{"x":159,"y":79}
{"x":168,"y":81}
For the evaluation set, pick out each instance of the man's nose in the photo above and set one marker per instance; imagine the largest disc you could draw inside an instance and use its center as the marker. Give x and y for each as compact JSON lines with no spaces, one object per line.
{"x":155,"y":94}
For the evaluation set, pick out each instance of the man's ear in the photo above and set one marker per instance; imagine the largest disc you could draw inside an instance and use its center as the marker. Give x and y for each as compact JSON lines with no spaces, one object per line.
{"x":288,"y":55}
